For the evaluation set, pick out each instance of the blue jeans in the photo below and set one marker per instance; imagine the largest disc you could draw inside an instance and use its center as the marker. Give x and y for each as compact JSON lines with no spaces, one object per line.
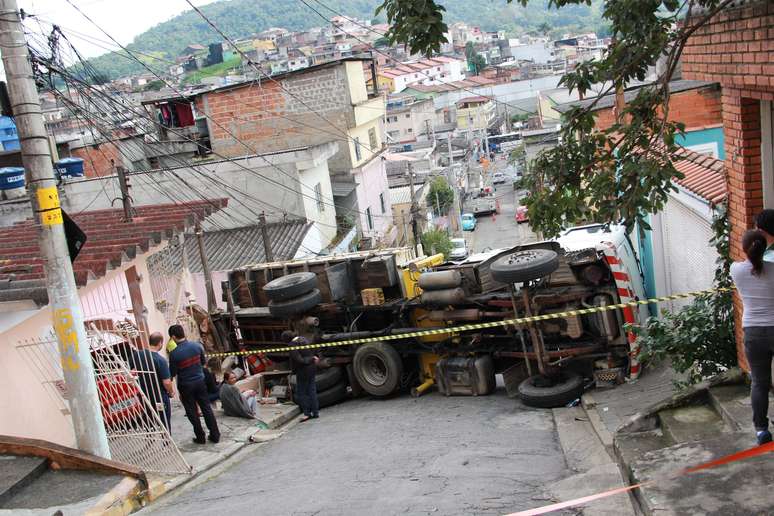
{"x":759,"y":350}
{"x":306,"y":394}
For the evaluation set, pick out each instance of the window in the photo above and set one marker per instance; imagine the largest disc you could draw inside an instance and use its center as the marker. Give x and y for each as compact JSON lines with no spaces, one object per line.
{"x":358,"y":154}
{"x":381,"y":202}
{"x":409,"y":130}
{"x":370,"y":219}
{"x":319,"y":198}
{"x":372,"y":139}
{"x":408,"y":115}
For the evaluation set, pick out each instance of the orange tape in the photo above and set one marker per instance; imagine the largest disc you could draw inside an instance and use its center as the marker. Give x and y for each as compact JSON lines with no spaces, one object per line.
{"x":742,"y":455}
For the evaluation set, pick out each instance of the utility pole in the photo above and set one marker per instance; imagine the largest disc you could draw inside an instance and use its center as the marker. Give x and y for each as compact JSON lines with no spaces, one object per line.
{"x":63,"y":297}
{"x":212,"y":305}
{"x":265,"y":236}
{"x":414,"y":209}
{"x":126,"y":200}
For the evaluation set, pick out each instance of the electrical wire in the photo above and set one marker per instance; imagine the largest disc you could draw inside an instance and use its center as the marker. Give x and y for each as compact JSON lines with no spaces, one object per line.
{"x":362,"y":213}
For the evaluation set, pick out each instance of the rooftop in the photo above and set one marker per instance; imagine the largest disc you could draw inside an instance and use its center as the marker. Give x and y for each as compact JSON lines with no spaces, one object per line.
{"x":468,"y":82}
{"x":232,"y":248}
{"x":109,"y":242}
{"x":704,"y":175}
{"x":630,"y":93}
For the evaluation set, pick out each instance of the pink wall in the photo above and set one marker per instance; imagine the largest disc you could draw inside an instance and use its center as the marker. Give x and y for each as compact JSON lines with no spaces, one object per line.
{"x":372,"y":181}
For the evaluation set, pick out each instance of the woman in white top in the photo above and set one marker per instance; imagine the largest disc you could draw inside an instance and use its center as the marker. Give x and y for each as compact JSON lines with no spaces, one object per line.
{"x":754,"y":280}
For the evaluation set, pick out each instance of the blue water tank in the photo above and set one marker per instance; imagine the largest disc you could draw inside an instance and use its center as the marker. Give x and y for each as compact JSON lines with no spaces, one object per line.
{"x":12,"y":183}
{"x":69,"y":167}
{"x":11,"y":177}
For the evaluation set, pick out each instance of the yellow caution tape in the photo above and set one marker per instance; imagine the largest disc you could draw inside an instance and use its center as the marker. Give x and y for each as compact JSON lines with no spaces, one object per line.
{"x":475,"y":326}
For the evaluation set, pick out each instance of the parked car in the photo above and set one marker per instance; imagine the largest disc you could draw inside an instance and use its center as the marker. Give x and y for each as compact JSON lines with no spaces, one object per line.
{"x":521,"y":214}
{"x":468,"y":222}
{"x":459,"y":249}
{"x":498,"y":178}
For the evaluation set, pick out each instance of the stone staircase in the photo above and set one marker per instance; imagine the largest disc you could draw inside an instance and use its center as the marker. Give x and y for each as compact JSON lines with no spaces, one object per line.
{"x":716,"y":421}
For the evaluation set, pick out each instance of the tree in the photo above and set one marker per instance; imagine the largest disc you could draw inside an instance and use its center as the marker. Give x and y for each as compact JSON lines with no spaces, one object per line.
{"x":440,"y":196}
{"x":476,"y":61}
{"x":382,"y":42}
{"x":544,"y":28}
{"x":617,"y":174}
{"x":436,"y":241}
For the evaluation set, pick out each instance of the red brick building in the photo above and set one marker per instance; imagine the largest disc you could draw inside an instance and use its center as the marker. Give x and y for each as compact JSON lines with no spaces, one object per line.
{"x":736,"y":49}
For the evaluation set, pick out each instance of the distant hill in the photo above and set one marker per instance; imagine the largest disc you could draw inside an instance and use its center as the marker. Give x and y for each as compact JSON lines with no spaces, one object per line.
{"x":241,"y":18}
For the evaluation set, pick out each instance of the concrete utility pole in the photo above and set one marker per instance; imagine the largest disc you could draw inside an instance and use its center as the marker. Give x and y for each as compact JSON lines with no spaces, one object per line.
{"x":126,"y":200}
{"x":212,"y":305}
{"x":265,"y":236}
{"x":414,"y":208}
{"x":63,"y":297}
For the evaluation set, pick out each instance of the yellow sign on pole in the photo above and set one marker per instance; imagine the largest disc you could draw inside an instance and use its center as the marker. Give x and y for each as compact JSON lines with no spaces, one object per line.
{"x":48,"y":206}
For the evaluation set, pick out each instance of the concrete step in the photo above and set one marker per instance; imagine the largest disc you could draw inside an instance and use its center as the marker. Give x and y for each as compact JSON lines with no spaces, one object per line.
{"x":737,"y":488}
{"x":692,"y":423}
{"x":732,"y":402}
{"x":17,"y":472}
{"x":631,"y":446}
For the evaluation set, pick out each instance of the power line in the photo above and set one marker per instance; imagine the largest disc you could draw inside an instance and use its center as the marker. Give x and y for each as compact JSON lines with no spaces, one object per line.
{"x":220,"y":125}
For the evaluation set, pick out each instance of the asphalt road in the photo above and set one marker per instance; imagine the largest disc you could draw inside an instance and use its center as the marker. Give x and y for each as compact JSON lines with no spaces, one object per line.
{"x":502,"y":230}
{"x":431,"y":455}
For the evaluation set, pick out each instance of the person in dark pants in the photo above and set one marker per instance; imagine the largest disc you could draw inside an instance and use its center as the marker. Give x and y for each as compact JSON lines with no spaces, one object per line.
{"x":754,"y":280}
{"x":154,"y":377}
{"x":303,"y":362}
{"x":186,"y":363}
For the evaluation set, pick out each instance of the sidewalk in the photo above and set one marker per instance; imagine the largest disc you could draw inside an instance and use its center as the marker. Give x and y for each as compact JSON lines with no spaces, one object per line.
{"x":236,"y":433}
{"x":654,"y":431}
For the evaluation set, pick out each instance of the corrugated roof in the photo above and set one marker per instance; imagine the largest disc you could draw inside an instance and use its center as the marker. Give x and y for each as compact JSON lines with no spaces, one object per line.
{"x":232,"y":248}
{"x":110,"y":241}
{"x":703,"y":175}
{"x":608,"y":101}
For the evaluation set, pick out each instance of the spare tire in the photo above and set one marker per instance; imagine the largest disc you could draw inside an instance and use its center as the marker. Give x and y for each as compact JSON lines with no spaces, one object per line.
{"x":526,"y":265}
{"x":333,"y":395}
{"x":295,"y":306}
{"x":568,"y":388}
{"x":324,"y":379}
{"x":290,"y":286}
{"x":378,"y":368}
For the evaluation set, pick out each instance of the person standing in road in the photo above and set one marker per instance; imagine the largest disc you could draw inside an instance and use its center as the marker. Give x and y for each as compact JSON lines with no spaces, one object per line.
{"x":303,"y":362}
{"x":764,"y":222}
{"x":754,"y":280}
{"x":186,"y":363}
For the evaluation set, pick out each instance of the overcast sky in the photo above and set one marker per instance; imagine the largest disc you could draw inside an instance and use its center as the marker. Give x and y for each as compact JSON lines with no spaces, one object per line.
{"x":123,"y":19}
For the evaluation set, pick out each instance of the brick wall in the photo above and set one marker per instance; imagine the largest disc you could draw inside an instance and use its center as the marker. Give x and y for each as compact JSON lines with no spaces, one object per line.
{"x":96,"y":160}
{"x":277,"y":115}
{"x":697,"y":109}
{"x":736,"y":49}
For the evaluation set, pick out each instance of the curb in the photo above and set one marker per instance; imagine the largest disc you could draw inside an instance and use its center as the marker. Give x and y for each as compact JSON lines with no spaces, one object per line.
{"x":589,"y":405}
{"x":124,"y":498}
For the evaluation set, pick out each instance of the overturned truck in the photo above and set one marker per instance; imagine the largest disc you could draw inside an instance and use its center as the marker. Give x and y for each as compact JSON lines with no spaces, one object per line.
{"x":370,"y":313}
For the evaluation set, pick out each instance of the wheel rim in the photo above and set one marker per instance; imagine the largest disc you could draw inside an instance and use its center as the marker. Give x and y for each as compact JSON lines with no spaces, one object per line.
{"x":374,"y":370}
{"x":522,"y":257}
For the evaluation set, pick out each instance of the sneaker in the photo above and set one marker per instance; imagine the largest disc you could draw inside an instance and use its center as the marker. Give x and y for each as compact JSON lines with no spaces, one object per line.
{"x":763,"y":437}
{"x":199,"y":440}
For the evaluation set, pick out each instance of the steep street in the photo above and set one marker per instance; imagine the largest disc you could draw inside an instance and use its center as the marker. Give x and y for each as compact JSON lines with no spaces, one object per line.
{"x":428,"y":455}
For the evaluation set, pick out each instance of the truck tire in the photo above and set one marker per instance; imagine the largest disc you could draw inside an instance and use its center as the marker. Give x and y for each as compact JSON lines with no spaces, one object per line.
{"x":295,"y":306}
{"x":557,"y":395}
{"x":290,"y":286}
{"x":333,"y":395}
{"x":524,"y":266}
{"x":325,"y":378}
{"x":378,"y":368}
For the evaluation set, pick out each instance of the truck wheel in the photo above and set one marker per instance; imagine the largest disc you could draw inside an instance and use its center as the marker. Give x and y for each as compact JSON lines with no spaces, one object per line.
{"x":569,"y":388}
{"x":290,"y":286}
{"x":296,"y":305}
{"x":524,"y":266}
{"x":378,"y":368}
{"x":332,"y":395}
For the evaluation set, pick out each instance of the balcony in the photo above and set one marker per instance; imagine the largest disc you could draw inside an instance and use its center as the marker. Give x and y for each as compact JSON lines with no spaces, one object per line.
{"x":169,"y":148}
